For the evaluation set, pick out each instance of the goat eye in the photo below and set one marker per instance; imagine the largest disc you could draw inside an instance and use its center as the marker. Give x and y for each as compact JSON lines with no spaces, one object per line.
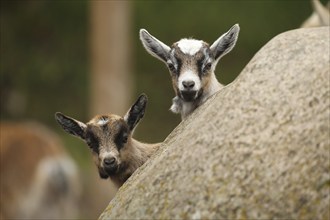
{"x":93,"y":144}
{"x":171,"y":67}
{"x":121,"y":139}
{"x":124,"y":139}
{"x":207,"y":67}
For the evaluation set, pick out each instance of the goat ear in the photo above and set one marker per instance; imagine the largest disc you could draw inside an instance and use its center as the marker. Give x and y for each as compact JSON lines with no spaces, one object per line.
{"x":322,"y":12}
{"x":71,"y":125}
{"x":154,"y":46}
{"x":225,"y":43}
{"x":136,"y":112}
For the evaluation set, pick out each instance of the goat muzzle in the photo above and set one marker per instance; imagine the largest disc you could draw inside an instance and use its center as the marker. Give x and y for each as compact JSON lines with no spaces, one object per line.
{"x":190,"y":95}
{"x":110,"y":166}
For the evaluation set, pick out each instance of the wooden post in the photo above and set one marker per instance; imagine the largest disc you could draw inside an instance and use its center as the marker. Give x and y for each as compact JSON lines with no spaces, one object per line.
{"x":110,"y":78}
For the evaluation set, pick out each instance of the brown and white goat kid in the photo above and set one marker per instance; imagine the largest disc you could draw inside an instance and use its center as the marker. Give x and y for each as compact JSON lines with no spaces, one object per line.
{"x":320,"y":16}
{"x":116,"y":154}
{"x":191,"y":64}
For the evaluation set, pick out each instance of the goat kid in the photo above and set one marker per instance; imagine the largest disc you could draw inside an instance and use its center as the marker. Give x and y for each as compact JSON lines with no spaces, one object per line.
{"x":320,"y":16}
{"x":116,"y":154}
{"x":192,"y":64}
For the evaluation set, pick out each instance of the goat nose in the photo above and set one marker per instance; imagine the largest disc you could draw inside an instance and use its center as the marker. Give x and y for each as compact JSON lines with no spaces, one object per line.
{"x":109,"y":161}
{"x":188,"y":84}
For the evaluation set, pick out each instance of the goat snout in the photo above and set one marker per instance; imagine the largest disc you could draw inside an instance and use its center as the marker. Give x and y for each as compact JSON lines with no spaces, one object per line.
{"x":188,"y":85}
{"x":109,"y":161}
{"x":110,"y":165}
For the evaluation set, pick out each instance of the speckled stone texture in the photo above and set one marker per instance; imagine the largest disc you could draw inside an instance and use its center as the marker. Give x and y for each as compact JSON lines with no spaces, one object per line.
{"x":258,"y":149}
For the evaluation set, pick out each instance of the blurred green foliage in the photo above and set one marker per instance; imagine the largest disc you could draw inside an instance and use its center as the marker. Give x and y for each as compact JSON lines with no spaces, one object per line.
{"x":44,"y":57}
{"x":45,"y":52}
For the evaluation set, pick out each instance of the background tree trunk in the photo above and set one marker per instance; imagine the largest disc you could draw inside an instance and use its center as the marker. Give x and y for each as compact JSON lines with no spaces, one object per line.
{"x":111,"y":78}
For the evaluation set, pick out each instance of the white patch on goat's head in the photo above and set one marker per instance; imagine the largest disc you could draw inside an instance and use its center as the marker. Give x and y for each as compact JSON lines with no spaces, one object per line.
{"x":102,"y":121}
{"x":190,"y":46}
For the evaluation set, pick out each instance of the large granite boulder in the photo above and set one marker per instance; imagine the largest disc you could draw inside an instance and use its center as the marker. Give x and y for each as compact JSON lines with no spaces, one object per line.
{"x":258,"y":149}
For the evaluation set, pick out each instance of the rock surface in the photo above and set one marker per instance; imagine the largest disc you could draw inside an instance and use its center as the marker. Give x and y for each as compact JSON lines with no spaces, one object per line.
{"x":258,"y":149}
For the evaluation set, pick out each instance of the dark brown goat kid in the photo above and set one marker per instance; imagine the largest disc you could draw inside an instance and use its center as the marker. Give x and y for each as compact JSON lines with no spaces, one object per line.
{"x":116,"y":154}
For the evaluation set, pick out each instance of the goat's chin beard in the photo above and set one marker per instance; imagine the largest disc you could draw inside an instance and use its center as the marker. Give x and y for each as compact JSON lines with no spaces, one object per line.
{"x":190,"y":96}
{"x":104,"y":174}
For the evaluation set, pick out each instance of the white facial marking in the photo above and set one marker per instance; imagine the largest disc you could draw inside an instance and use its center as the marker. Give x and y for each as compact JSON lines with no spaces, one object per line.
{"x":102,"y":121}
{"x":190,"y":46}
{"x":189,"y":76}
